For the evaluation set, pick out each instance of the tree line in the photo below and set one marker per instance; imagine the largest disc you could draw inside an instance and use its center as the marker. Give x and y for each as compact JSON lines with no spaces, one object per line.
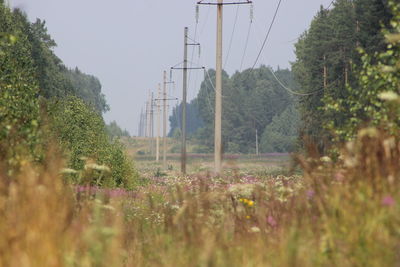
{"x":255,"y":106}
{"x":336,"y":97}
{"x":43,"y":103}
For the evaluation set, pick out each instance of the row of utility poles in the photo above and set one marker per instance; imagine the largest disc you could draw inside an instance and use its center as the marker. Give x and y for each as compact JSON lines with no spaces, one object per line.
{"x":145,"y":120}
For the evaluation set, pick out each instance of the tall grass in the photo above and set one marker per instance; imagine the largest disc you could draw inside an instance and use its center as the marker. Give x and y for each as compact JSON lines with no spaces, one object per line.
{"x":343,"y":213}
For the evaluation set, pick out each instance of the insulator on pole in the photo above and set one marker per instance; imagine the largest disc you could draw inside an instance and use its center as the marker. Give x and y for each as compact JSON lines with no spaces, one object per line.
{"x":197,"y":13}
{"x":170,"y":74}
{"x":251,"y":13}
{"x":199,"y":51}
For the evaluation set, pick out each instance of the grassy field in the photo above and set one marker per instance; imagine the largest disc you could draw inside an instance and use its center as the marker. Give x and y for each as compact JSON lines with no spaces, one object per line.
{"x":257,"y":213}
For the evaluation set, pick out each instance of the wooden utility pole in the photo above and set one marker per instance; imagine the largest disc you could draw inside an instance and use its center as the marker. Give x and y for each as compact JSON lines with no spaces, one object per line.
{"x":152,"y":124}
{"x":218,"y":93}
{"x":147,"y":120}
{"x":184,"y":96}
{"x":165,"y":121}
{"x":184,"y":99}
{"x":158,"y":124}
{"x":218,"y":82}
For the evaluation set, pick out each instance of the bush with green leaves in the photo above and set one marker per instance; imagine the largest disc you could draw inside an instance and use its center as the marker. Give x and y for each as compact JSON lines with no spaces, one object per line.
{"x":374,"y":101}
{"x":81,"y":133}
{"x":19,"y":107}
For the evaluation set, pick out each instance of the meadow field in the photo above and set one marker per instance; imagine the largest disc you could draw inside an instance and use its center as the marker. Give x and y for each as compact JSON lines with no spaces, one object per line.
{"x":259,"y":212}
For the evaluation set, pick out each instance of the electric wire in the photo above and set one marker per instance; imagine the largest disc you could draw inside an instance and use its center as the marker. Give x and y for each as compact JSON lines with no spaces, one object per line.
{"x":290,"y":90}
{"x":330,"y":4}
{"x":268,"y":33}
{"x":232,"y":35}
{"x":245,"y":47}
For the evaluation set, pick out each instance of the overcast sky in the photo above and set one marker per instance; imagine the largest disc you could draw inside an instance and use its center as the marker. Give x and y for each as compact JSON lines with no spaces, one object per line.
{"x":128,"y":43}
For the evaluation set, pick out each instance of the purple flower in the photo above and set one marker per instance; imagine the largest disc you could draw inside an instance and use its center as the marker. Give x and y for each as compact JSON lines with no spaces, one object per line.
{"x":388,"y":201}
{"x":271,"y":221}
{"x":310,"y":194}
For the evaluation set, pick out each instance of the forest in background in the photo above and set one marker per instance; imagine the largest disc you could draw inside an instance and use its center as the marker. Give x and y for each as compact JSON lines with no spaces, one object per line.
{"x":330,"y":65}
{"x":341,"y":209}
{"x":43,"y":103}
{"x":254,"y":103}
{"x":325,"y":107}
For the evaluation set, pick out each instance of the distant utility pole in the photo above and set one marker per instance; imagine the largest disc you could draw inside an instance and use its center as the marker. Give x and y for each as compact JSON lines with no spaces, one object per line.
{"x":165,"y":99}
{"x":218,"y":81}
{"x":140,"y":123}
{"x":158,"y":124}
{"x":184,"y":97}
{"x":152,"y":124}
{"x":165,"y":121}
{"x":146,"y":132}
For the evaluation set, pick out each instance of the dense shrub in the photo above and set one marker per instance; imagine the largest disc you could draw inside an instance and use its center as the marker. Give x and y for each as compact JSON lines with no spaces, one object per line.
{"x":19,"y":109}
{"x":81,"y":132}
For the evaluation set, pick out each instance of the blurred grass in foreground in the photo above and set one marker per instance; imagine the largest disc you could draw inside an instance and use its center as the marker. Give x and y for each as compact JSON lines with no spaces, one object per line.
{"x":337,"y":214}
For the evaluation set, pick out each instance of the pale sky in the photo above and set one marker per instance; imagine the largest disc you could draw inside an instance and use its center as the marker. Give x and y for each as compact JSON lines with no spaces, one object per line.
{"x":128,"y":43}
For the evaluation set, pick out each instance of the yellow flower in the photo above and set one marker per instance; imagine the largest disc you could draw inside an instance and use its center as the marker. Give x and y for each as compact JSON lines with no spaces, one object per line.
{"x":248,"y":217}
{"x":250,"y":203}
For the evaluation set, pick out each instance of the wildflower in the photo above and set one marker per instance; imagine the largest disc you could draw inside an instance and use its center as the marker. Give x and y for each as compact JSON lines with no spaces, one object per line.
{"x":255,"y":229}
{"x":250,"y":203}
{"x":271,"y":221}
{"x":310,"y":194}
{"x":388,"y":201}
{"x":248,"y":217}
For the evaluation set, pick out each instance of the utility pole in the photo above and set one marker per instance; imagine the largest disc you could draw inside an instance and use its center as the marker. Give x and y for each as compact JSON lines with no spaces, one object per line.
{"x":184,"y":97}
{"x":218,"y":94}
{"x":143,"y":124}
{"x":165,"y":121}
{"x":140,"y":123}
{"x":146,"y":133}
{"x":152,"y":124}
{"x":218,"y":82}
{"x":164,"y":99}
{"x":158,"y":124}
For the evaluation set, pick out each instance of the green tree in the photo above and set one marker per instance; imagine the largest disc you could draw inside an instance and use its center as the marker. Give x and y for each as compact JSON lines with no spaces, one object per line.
{"x":19,"y":108}
{"x":282,"y":133}
{"x":81,"y":133}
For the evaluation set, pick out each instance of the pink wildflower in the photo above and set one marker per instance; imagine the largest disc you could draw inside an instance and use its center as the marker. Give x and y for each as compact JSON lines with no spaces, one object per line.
{"x":271,"y":221}
{"x":388,"y":201}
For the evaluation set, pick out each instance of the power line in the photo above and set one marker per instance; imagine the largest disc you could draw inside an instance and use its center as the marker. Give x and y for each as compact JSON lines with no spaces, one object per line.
{"x":246,"y":45}
{"x":267,"y":36}
{"x":330,"y":4}
{"x":290,"y":90}
{"x":231,"y":39}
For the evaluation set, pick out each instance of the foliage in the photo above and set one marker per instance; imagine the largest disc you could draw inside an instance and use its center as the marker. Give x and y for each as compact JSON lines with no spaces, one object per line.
{"x":330,"y":45}
{"x":43,"y":224}
{"x":54,"y":78}
{"x":251,"y":99}
{"x":281,"y":134}
{"x":379,"y":78}
{"x":114,"y":130}
{"x":194,"y":121}
{"x":338,"y":214}
{"x":81,"y":132}
{"x":19,"y":108}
